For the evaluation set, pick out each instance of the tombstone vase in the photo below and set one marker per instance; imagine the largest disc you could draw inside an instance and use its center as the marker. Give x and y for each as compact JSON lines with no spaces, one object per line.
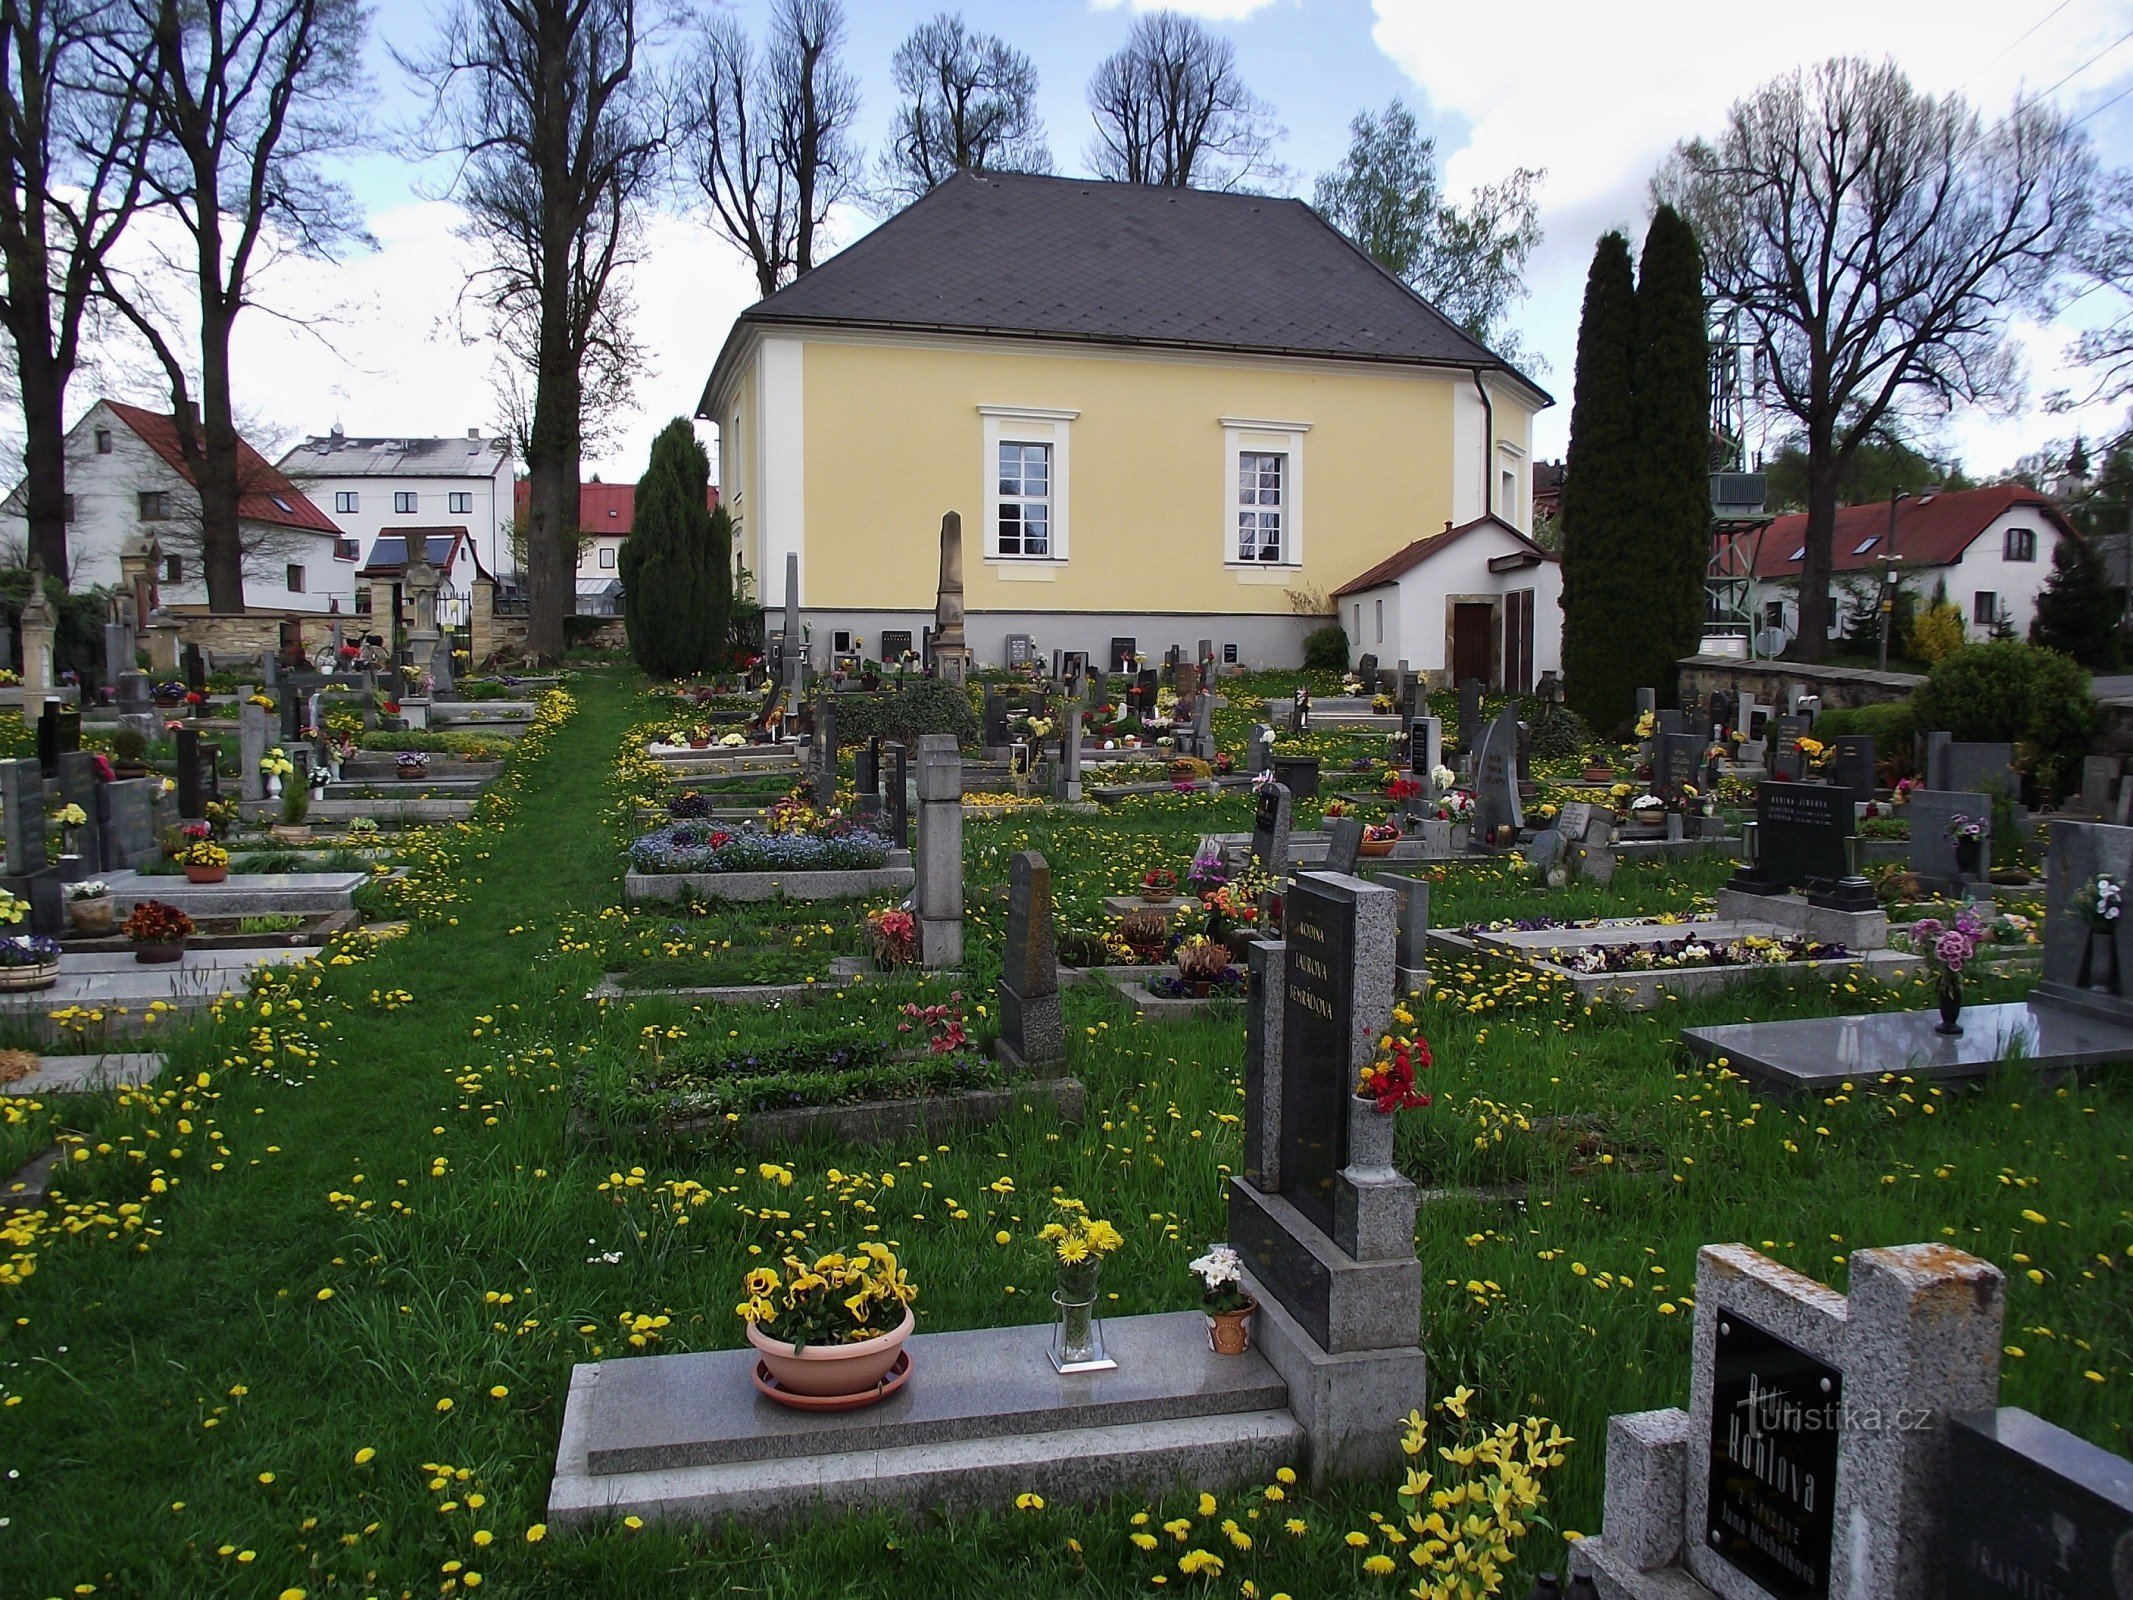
{"x":1968,"y":850}
{"x":1370,"y":1134}
{"x":1077,"y":1331}
{"x":1950,"y":995}
{"x":1229,"y":1333}
{"x":2101,"y":974}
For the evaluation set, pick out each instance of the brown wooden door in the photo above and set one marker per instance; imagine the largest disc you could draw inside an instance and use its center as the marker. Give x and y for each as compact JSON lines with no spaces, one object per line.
{"x":1472,"y":626}
{"x":1518,"y":642}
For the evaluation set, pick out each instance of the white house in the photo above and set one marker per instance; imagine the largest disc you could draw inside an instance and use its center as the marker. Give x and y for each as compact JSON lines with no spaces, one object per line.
{"x":374,"y":487}
{"x":1479,"y":600}
{"x":127,"y":476}
{"x":1991,"y":549}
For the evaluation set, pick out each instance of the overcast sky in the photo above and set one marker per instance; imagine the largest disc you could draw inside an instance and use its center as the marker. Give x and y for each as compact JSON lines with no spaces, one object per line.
{"x":1594,"y":93}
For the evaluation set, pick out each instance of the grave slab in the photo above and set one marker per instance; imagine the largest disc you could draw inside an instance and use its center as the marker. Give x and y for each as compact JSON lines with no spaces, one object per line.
{"x":1811,"y":1053}
{"x":982,"y":1420}
{"x":86,"y":1074}
{"x":241,"y":893}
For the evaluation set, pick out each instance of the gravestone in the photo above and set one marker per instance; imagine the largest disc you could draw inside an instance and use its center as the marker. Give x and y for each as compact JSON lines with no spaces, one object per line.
{"x":825,"y":752}
{"x":1813,"y":1460}
{"x":1203,"y":736}
{"x":2099,"y":784}
{"x":1270,"y":829}
{"x":1070,"y":755}
{"x":995,"y":720}
{"x":1323,"y":1219}
{"x":251,"y":748}
{"x":1074,"y":673}
{"x":792,"y":647}
{"x":1300,"y":712}
{"x":1545,"y":849}
{"x":58,"y":732}
{"x":1185,"y":678}
{"x":1411,"y":960}
{"x":1344,"y":844}
{"x":22,"y":817}
{"x":1425,"y":754}
{"x":1032,"y":1037}
{"x":895,"y":796}
{"x":1496,"y":805}
{"x":1647,"y":700}
{"x":1021,"y":650}
{"x":895,"y":644}
{"x":1123,"y":652}
{"x":119,"y":649}
{"x":1259,"y":751}
{"x":1933,"y":855}
{"x":195,"y":666}
{"x":2087,"y":958}
{"x":1801,"y":833}
{"x":78,"y":786}
{"x":1574,"y":819}
{"x":940,"y":851}
{"x":1677,"y":763}
{"x":1147,"y":684}
{"x":2034,"y":1512}
{"x":128,"y":822}
{"x":1367,"y":669}
{"x":1469,"y":719}
{"x":1851,"y":765}
{"x":192,"y":804}
{"x":1971,"y":767}
{"x":1408,"y":693}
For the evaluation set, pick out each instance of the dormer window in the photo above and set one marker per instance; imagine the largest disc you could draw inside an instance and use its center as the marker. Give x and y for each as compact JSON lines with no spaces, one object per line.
{"x":103,"y":441}
{"x":2020,"y":544}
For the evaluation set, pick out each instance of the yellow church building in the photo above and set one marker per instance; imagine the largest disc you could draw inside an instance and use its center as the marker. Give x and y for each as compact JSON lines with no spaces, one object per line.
{"x":1164,"y":415}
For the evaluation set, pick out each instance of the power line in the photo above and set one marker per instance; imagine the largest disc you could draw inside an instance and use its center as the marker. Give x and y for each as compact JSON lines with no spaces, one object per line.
{"x":2010,"y":50}
{"x":2078,"y":71}
{"x":2097,"y":111}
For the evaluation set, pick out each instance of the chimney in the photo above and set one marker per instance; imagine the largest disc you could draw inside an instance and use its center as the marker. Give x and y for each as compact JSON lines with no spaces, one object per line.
{"x":1447,"y":524}
{"x":473,"y":433}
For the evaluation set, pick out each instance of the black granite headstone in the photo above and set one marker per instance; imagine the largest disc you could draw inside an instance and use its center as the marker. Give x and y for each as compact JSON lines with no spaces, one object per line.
{"x":1851,"y":764}
{"x":1677,"y":762}
{"x":1775,"y":1411}
{"x":1469,"y":716}
{"x":2033,"y":1513}
{"x":58,"y":734}
{"x":895,"y":797}
{"x":1367,"y":670}
{"x":1801,"y":829}
{"x":1122,"y":653}
{"x":192,"y":806}
{"x":1317,"y":1042}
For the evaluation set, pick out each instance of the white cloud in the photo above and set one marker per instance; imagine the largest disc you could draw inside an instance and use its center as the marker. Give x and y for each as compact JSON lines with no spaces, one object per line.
{"x":1597,"y":95}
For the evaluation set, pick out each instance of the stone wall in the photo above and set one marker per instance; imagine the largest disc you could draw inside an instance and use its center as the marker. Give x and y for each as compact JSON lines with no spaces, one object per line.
{"x":227,"y":637}
{"x":1772,"y":682}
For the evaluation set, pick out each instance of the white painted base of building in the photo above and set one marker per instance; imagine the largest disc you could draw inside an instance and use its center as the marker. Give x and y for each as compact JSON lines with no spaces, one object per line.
{"x":1260,"y":640}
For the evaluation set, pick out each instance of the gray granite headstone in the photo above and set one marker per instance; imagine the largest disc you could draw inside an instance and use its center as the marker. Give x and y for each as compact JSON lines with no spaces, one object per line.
{"x":1647,"y":700}
{"x":1496,"y":805}
{"x":1851,"y":765}
{"x":2036,"y":1511}
{"x":22,"y":816}
{"x":1031,"y":1034}
{"x":825,"y":751}
{"x":1262,"y":1063}
{"x":2087,"y":959}
{"x":895,"y":796}
{"x":78,"y":787}
{"x":1259,"y":751}
{"x":2099,"y":784}
{"x":252,"y":747}
{"x":1971,"y":766}
{"x":1469,"y":717}
{"x":129,"y":813}
{"x":1344,"y":844}
{"x":1425,"y":754}
{"x":940,"y":850}
{"x":1544,"y":849}
{"x":1413,"y":927}
{"x":1934,"y":858}
{"x":1574,"y":818}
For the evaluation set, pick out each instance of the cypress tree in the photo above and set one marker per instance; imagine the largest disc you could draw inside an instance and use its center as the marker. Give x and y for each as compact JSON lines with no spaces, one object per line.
{"x":1670,"y":534}
{"x":2077,"y":612}
{"x":718,"y":587}
{"x":666,"y":596}
{"x":1599,"y":496}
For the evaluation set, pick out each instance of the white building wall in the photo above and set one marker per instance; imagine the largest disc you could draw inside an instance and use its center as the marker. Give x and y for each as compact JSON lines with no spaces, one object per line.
{"x":487,"y":525}
{"x":1417,"y":605}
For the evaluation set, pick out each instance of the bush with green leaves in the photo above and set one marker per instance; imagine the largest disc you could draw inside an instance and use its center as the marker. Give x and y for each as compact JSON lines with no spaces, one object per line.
{"x":1326,"y":649}
{"x":1893,"y":727}
{"x":675,"y":595}
{"x":924,"y":705}
{"x":1559,"y":734}
{"x":2006,"y":691}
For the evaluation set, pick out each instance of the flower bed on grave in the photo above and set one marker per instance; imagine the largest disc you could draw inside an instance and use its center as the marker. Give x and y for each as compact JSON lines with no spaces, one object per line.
{"x":693,"y":847}
{"x":1751,"y":951}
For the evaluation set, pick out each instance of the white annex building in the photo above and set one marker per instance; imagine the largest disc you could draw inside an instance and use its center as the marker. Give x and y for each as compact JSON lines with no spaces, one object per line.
{"x":395,"y":486}
{"x":1480,"y":600}
{"x":127,"y":477}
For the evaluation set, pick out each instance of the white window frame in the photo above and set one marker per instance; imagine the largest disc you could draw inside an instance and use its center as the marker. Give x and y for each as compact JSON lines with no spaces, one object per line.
{"x":1256,"y":435}
{"x":406,"y":502}
{"x":347,"y":500}
{"x":459,"y":503}
{"x":607,"y":558}
{"x":1026,"y":425}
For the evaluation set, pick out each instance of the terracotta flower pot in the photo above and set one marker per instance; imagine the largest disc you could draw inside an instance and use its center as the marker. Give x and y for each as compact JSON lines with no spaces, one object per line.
{"x":290,"y":833}
{"x":92,"y":918}
{"x":155,"y":954}
{"x":832,"y":1370}
{"x":1156,"y":897}
{"x":1229,"y":1333}
{"x":1378,"y":847}
{"x":195,"y":874}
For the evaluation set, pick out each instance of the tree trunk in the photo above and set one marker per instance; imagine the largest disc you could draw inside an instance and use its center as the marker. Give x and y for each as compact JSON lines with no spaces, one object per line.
{"x":1823,"y":467}
{"x":44,"y":453}
{"x":553,"y":449}
{"x":222,"y":551}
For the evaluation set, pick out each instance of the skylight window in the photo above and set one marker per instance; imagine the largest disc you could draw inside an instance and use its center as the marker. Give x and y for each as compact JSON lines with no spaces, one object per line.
{"x":1867,"y":544}
{"x":1800,"y":554}
{"x":279,"y":501}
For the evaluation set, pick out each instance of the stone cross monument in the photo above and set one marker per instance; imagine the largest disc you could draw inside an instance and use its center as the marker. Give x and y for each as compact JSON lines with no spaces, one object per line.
{"x":951,"y":654}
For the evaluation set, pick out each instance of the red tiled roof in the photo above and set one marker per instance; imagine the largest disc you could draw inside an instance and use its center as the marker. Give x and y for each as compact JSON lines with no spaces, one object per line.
{"x":603,"y":507}
{"x":267,"y":496}
{"x":1933,"y":529}
{"x":1407,"y":559}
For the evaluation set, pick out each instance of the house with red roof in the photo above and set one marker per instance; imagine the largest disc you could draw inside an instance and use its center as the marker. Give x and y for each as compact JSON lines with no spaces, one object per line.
{"x":1480,"y":600}
{"x":605,"y":511}
{"x":1989,"y":549}
{"x":127,"y":476}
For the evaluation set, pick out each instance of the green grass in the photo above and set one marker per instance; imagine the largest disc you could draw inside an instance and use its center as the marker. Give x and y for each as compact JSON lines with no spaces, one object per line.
{"x":396,"y":1131}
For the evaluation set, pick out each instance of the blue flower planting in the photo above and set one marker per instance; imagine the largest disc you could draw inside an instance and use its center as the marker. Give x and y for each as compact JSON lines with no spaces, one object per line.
{"x":691,"y":846}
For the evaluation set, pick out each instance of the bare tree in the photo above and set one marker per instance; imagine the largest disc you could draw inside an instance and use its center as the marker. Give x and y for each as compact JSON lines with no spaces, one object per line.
{"x":767,"y":137}
{"x":557,"y":125}
{"x":969,"y":106}
{"x":2103,"y":266}
{"x":1876,"y":239}
{"x":246,"y":94}
{"x":74,"y":82}
{"x":1170,"y":108}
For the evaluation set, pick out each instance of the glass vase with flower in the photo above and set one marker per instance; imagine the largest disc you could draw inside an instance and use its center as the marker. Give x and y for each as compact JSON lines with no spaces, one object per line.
{"x":1948,"y":947}
{"x":1079,"y":1244}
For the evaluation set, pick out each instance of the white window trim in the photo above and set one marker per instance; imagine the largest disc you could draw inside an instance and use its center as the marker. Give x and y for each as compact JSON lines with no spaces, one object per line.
{"x":1245,"y":434}
{"x":1026,"y":425}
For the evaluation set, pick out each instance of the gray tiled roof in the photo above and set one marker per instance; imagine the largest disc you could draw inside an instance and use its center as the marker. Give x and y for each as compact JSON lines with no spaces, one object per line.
{"x":343,"y":456}
{"x":1116,"y":263}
